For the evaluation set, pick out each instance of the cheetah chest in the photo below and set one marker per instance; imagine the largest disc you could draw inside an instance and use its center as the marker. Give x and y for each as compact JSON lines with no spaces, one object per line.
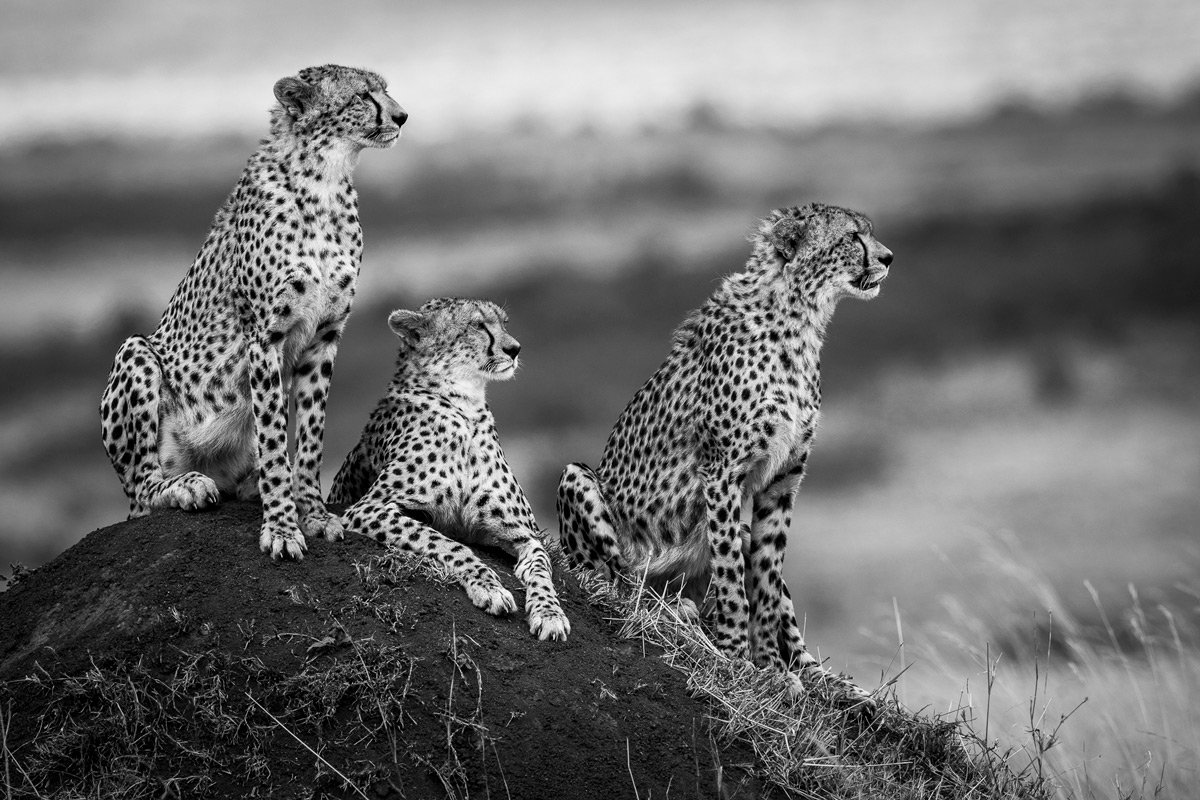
{"x":788,"y":433}
{"x":318,"y":290}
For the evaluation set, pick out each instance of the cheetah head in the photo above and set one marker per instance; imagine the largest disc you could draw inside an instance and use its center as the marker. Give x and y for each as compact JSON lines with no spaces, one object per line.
{"x":337,"y":105}
{"x":828,"y":252}
{"x":464,"y":341}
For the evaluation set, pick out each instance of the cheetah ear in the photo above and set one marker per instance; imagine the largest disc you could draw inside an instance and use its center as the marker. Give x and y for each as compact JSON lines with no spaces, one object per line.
{"x":785,"y":236}
{"x":294,"y":95}
{"x":408,"y":325}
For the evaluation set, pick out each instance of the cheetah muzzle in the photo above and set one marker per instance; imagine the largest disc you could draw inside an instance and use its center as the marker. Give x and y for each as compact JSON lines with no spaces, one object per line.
{"x":874,"y":267}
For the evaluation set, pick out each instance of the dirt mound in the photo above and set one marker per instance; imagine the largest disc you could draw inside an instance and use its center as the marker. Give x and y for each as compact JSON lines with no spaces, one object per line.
{"x":168,"y":657}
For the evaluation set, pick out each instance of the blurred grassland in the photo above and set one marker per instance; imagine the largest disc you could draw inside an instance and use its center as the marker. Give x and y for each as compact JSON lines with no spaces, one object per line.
{"x":1041,"y":318}
{"x":1102,"y":705}
{"x":1031,"y":370}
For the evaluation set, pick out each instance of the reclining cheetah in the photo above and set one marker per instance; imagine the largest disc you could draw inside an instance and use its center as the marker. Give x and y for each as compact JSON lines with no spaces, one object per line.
{"x":429,"y":464}
{"x":199,"y":408}
{"x":707,"y":458}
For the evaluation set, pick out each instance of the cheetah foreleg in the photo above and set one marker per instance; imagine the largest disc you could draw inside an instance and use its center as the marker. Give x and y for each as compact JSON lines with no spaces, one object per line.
{"x":546,"y":617}
{"x":804,"y":666}
{"x":386,"y":523}
{"x":771,"y":518}
{"x":312,"y":378}
{"x":279,"y":536}
{"x":731,"y":610}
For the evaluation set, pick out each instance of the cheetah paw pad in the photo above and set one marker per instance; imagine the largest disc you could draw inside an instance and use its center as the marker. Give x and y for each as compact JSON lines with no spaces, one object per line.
{"x":282,"y":543}
{"x":550,"y":623}
{"x":846,"y":691}
{"x":492,"y":598}
{"x":322,"y":523}
{"x":855,"y":695}
{"x":795,"y":686}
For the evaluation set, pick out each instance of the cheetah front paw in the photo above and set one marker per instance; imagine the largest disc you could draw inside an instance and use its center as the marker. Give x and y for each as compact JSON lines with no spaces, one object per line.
{"x":281,"y":542}
{"x":488,"y":594}
{"x":851,"y":694}
{"x":189,"y":491}
{"x":844,"y":691}
{"x":549,"y":623}
{"x":733,"y":647}
{"x":319,"y":522}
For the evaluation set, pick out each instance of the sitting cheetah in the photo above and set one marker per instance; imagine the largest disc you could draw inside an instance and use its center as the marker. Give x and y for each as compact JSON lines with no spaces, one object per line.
{"x":706,"y":460}
{"x":199,"y":408}
{"x":429,"y":463}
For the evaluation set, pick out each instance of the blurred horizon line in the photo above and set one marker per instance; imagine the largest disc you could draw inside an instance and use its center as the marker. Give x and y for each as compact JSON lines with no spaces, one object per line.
{"x":476,"y":68}
{"x":1105,"y":102}
{"x":700,"y":115}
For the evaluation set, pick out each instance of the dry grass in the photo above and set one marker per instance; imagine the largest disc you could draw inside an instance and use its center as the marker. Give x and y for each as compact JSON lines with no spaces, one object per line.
{"x":196,"y":722}
{"x":1057,"y":706}
{"x":1060,"y":708}
{"x":1098,"y":707}
{"x":117,"y":729}
{"x":820,"y":745}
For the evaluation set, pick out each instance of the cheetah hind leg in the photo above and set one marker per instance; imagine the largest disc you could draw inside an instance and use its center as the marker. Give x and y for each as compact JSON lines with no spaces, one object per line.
{"x":585,"y":524}
{"x":802,"y":664}
{"x":129,"y":422}
{"x":190,"y":491}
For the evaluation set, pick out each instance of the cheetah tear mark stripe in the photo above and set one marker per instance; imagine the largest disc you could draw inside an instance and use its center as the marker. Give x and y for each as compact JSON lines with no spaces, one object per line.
{"x":378,"y":110}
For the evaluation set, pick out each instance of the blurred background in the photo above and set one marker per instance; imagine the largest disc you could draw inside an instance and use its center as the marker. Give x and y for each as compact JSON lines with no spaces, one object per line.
{"x":1026,"y":388}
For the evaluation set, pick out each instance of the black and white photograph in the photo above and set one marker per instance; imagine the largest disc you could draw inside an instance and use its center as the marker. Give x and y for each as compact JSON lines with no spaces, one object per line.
{"x":662,"y":399}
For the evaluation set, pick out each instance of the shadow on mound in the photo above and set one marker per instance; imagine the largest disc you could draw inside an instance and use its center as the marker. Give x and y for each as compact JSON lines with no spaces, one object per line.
{"x":168,"y":657}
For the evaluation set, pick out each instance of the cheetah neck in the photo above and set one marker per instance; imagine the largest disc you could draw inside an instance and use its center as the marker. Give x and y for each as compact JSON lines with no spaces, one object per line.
{"x":766,"y":296}
{"x":324,"y":174}
{"x":469,"y":397}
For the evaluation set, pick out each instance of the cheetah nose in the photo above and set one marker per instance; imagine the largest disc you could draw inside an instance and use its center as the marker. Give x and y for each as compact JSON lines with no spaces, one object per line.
{"x":511,"y":350}
{"x":885,"y":258}
{"x":400,"y":118}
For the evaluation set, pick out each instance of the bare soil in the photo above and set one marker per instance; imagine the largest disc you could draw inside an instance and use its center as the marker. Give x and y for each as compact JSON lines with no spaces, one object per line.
{"x":168,"y":657}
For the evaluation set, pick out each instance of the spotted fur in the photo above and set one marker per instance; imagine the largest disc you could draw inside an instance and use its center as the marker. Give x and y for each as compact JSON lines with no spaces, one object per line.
{"x":198,"y":409}
{"x":428,"y":474}
{"x":697,"y":481}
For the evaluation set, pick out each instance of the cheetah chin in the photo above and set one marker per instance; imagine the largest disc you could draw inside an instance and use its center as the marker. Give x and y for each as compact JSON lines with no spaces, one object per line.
{"x":387,"y":137}
{"x":870,"y":284}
